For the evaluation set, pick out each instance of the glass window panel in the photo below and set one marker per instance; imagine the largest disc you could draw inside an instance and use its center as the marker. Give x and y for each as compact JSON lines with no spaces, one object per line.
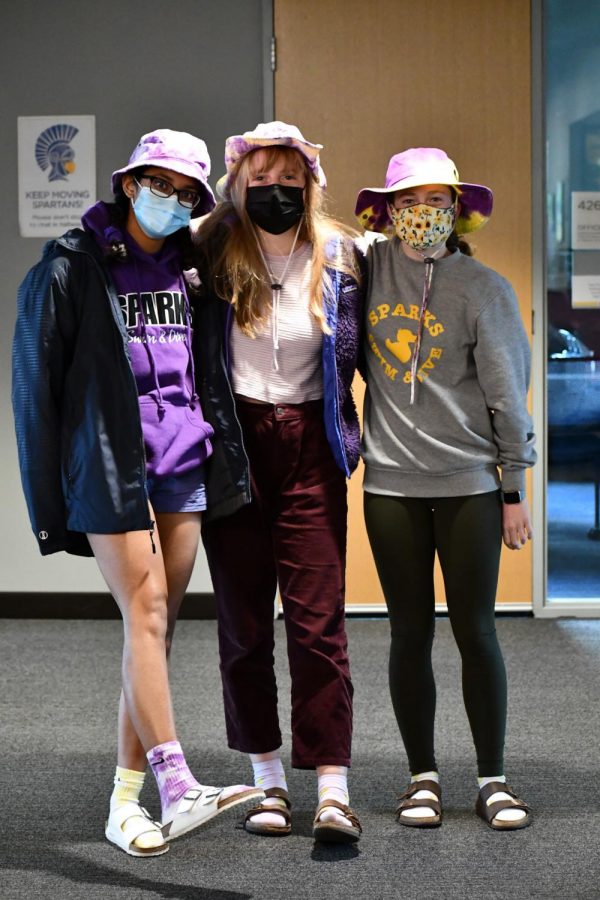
{"x":572,"y":77}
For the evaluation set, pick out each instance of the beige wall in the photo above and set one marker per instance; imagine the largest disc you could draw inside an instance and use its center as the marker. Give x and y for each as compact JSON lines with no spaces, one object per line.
{"x":368,"y":79}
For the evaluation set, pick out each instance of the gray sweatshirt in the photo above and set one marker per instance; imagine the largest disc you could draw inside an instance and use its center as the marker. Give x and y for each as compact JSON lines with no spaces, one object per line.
{"x":470,"y":414}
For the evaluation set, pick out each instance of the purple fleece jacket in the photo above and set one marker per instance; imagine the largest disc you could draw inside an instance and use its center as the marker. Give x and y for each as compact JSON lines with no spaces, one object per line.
{"x":155,"y":306}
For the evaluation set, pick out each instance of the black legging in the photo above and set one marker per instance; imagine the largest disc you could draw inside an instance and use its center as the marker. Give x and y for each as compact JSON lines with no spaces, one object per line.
{"x":405,"y":533}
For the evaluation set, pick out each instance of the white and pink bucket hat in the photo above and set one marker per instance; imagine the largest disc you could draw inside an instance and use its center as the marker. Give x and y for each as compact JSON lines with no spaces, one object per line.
{"x":269,"y":134}
{"x":175,"y":150}
{"x":412,"y":168}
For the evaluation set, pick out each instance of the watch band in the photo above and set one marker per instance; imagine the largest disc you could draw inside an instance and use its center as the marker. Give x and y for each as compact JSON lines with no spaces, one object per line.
{"x":512,"y":496}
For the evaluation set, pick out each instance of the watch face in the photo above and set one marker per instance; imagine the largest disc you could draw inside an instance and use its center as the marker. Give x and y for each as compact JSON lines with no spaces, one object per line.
{"x":512,"y":496}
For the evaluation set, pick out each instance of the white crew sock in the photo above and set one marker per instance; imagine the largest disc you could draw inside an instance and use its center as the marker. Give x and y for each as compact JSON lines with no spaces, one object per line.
{"x":505,"y":815}
{"x":269,"y":773}
{"x":334,"y":786}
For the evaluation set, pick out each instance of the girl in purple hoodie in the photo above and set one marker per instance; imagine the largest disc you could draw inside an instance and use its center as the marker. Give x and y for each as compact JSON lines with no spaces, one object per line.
{"x":105,"y":384}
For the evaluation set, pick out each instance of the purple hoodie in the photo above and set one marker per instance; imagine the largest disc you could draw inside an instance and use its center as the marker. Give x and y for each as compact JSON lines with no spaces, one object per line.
{"x":155,"y":307}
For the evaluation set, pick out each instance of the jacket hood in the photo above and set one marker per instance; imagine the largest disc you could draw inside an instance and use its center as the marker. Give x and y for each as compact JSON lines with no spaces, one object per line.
{"x":98,"y":221}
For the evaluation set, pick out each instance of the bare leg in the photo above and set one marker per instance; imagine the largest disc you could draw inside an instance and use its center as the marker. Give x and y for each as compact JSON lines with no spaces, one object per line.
{"x":148,"y":589}
{"x":136,"y":578}
{"x":178,"y":534}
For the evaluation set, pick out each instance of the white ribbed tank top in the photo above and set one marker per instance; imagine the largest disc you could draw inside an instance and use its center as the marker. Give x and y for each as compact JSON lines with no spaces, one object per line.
{"x":299,"y":376}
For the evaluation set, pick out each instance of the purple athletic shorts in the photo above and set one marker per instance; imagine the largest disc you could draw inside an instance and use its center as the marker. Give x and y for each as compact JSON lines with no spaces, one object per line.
{"x":178,"y":493}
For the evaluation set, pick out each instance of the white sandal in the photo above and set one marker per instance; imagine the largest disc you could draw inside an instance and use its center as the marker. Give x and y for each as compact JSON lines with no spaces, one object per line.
{"x":129,"y":822}
{"x":200,"y":805}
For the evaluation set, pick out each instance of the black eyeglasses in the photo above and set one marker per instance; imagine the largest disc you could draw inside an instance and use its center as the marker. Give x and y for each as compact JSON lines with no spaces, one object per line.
{"x":162,"y":188}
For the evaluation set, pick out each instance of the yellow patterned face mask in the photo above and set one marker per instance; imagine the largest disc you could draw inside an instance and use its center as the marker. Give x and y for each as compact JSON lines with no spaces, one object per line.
{"x":422,"y":226}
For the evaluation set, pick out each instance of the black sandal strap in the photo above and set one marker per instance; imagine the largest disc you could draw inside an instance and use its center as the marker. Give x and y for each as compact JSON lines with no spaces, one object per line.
{"x":424,"y":785}
{"x":489,"y":811}
{"x":418,"y":804}
{"x":496,"y":787}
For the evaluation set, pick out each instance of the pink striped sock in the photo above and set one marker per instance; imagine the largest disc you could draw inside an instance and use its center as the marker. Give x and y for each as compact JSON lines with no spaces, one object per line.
{"x":172,"y":774}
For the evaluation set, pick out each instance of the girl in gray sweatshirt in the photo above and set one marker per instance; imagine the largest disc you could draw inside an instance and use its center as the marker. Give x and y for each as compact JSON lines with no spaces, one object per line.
{"x":447,"y":439}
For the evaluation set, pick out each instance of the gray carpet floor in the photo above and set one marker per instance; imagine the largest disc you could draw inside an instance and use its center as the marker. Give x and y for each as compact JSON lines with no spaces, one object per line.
{"x":59,"y":685}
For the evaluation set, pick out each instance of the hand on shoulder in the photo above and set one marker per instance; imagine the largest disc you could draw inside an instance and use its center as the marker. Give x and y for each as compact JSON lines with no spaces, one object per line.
{"x":363,"y":241}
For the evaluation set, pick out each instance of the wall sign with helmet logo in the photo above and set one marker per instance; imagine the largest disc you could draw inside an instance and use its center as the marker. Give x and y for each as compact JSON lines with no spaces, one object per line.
{"x":57,"y":173}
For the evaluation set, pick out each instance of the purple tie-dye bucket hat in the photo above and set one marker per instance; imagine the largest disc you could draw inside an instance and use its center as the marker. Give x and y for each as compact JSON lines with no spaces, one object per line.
{"x":175,"y":150}
{"x":269,"y":134}
{"x":414,"y":167}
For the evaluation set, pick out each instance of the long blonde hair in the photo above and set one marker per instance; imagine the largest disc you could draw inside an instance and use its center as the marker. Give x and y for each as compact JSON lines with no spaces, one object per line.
{"x":229,"y":242}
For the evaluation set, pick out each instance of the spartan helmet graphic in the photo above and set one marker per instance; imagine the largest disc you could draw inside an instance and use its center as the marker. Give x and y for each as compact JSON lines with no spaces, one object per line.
{"x":52,"y":149}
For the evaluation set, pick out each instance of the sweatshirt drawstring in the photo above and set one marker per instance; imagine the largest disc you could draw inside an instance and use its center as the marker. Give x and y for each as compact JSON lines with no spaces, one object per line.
{"x":194,"y":398}
{"x":414,"y":362}
{"x":157,"y":393}
{"x":275,"y":323}
{"x":144,"y":334}
{"x":276,"y":285}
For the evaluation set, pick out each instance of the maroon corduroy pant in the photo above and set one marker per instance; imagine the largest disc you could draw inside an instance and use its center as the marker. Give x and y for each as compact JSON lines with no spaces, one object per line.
{"x":292,"y":534}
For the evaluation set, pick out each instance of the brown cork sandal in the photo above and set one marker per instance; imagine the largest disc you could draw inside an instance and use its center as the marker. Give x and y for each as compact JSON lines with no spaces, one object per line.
{"x":283,"y":811}
{"x":407,"y":801}
{"x":489,"y":811}
{"x":336,"y":832}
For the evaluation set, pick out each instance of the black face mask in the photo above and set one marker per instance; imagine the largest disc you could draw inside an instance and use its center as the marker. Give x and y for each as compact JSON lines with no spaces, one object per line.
{"x":275,"y":207}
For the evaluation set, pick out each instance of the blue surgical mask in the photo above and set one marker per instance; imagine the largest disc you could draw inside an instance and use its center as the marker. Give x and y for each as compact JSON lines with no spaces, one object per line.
{"x":159,"y":217}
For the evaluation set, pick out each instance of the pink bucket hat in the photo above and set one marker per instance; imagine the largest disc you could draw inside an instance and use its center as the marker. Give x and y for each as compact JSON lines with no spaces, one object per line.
{"x":269,"y":134}
{"x":176,"y":150}
{"x":414,"y":167}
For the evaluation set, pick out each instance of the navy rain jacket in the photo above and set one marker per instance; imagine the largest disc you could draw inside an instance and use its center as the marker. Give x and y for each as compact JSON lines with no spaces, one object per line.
{"x":75,"y":402}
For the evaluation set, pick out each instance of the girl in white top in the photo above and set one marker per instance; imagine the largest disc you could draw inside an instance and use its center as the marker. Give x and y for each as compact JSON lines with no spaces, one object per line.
{"x":282,"y":276}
